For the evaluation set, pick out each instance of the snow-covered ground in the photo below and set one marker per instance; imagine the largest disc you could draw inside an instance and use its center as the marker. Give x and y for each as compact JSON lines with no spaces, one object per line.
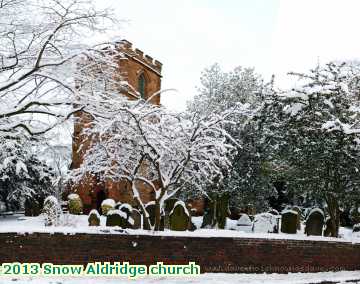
{"x":208,"y":278}
{"x":79,"y":224}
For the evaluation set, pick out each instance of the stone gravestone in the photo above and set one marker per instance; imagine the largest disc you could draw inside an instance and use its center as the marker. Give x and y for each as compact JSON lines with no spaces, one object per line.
{"x":179,"y":217}
{"x":32,"y":207}
{"x":298,"y":221}
{"x":150,"y":208}
{"x":356,"y":228}
{"x":265,"y":223}
{"x":107,"y":205}
{"x":244,"y":224}
{"x":328,"y":227}
{"x":289,"y":221}
{"x":94,"y":218}
{"x":315,"y":223}
{"x":169,"y":205}
{"x":75,"y":204}
{"x":115,"y":217}
{"x":137,"y":218}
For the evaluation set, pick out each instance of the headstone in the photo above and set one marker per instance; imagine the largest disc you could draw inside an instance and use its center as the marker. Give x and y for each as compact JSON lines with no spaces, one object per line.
{"x":274,"y":212}
{"x":137,"y":218}
{"x":265,"y":223}
{"x":117,"y":205}
{"x":298,"y":221}
{"x":289,"y":221}
{"x":75,"y":204}
{"x":179,"y":217}
{"x":107,"y":205}
{"x":94,"y":218}
{"x":150,"y":208}
{"x":116,"y":217}
{"x":126,"y":208}
{"x":328,"y":227}
{"x":356,"y":228}
{"x":168,"y":206}
{"x":315,"y":223}
{"x":244,"y":224}
{"x":32,"y":207}
{"x":235,"y":213}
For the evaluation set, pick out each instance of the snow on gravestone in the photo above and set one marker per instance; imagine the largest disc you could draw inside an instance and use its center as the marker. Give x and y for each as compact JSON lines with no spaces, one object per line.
{"x":75,"y":204}
{"x":137,"y":217}
{"x":179,"y":217}
{"x":119,"y":218}
{"x":106,"y":205}
{"x":265,"y":223}
{"x":315,"y":222}
{"x":150,"y":209}
{"x":94,"y":218}
{"x":244,"y":224}
{"x":289,"y":221}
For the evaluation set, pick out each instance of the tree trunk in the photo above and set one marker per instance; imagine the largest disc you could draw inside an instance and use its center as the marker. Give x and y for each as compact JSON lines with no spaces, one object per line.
{"x":334,"y":213}
{"x":157,"y":224}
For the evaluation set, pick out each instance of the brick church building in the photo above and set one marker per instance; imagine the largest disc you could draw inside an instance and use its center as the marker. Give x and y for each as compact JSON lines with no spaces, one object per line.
{"x":143,"y":74}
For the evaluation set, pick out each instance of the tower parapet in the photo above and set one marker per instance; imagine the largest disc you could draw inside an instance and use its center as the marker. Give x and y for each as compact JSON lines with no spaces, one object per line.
{"x":127,"y":48}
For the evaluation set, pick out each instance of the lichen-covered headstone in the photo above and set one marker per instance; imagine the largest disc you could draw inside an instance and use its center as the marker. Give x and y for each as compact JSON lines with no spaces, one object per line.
{"x":137,"y":218}
{"x":179,"y":217}
{"x":289,"y":221}
{"x":107,"y":205}
{"x":75,"y":204}
{"x":94,"y":218}
{"x":315,"y":223}
{"x":116,"y":217}
{"x":244,"y":224}
{"x":265,"y":223}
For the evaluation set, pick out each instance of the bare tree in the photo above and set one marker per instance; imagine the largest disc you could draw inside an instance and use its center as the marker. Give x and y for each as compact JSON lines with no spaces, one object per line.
{"x":40,"y":47}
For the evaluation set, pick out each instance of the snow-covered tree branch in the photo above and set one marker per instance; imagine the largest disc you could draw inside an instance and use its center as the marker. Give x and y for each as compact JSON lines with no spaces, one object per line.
{"x":147,"y":144}
{"x":40,"y":46}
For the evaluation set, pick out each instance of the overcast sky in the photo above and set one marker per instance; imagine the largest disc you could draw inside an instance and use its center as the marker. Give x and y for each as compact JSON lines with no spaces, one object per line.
{"x":273,"y":36}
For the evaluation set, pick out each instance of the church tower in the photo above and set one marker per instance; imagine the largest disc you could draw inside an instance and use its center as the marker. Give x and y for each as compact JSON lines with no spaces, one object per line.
{"x":143,"y":76}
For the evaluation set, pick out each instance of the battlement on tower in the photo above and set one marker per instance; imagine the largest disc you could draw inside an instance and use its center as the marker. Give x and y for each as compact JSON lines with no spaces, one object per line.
{"x":127,"y":48}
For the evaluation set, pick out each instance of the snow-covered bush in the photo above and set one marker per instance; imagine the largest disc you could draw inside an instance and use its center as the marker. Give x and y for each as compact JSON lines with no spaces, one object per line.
{"x":106,"y":205}
{"x":23,"y":177}
{"x":75,"y":204}
{"x":52,"y":211}
{"x":94,"y":218}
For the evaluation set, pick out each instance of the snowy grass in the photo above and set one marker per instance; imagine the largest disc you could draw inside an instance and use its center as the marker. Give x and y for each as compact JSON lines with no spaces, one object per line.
{"x":79,"y":224}
{"x":208,"y":278}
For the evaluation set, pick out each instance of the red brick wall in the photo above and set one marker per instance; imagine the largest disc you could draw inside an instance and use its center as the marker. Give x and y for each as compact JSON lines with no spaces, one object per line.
{"x":212,"y":254}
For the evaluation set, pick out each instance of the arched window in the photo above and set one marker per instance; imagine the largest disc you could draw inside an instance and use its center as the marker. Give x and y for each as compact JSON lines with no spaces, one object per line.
{"x":142,"y":85}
